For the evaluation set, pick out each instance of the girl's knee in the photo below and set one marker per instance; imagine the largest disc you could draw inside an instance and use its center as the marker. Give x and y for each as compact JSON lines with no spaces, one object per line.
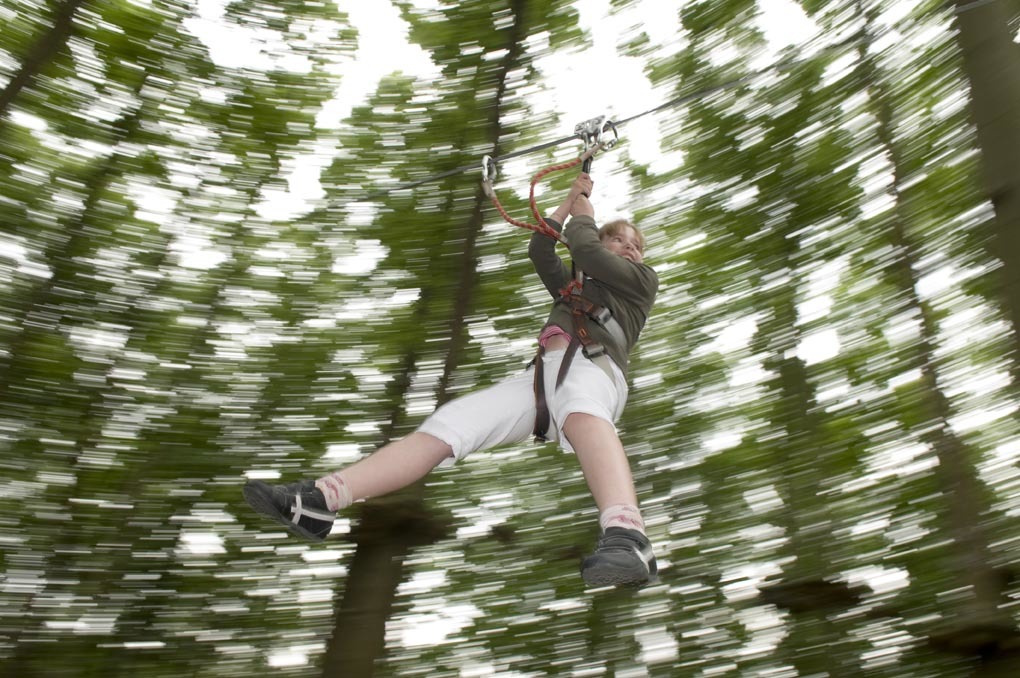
{"x":431,"y":447}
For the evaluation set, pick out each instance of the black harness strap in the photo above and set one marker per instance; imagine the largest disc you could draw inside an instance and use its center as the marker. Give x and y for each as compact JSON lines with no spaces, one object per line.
{"x":541,"y":406}
{"x":580,"y":310}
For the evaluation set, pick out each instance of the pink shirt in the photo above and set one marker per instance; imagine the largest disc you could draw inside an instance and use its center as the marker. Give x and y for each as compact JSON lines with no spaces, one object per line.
{"x":550,"y":332}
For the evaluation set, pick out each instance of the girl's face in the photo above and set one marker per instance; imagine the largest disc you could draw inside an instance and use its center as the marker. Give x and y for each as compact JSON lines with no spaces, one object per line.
{"x":625,"y":243}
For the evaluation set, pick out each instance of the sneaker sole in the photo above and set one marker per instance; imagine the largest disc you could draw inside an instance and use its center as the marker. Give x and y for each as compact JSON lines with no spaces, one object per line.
{"x":259,"y":499}
{"x":599,"y":576}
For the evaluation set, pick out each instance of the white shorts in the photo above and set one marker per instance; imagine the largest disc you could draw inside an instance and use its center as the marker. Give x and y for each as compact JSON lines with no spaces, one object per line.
{"x":504,"y":413}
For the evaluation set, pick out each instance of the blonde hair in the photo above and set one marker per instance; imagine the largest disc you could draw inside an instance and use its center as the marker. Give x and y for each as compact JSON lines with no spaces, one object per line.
{"x":616,"y":227}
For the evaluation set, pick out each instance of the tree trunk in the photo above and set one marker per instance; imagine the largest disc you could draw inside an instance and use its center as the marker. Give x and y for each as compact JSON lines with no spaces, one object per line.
{"x":41,"y":53}
{"x":991,"y":61}
{"x":978,"y":626}
{"x":807,"y":588}
{"x":391,"y":527}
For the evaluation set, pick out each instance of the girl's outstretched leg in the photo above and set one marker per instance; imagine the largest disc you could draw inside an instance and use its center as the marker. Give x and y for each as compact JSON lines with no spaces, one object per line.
{"x":308,"y":507}
{"x":386,"y":470}
{"x":624,"y":554}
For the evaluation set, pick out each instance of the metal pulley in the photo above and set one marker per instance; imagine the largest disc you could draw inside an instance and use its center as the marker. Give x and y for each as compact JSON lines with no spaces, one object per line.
{"x":592,"y":134}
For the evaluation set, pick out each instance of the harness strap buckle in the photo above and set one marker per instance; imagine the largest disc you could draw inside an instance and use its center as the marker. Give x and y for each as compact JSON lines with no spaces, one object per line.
{"x":602,"y":316}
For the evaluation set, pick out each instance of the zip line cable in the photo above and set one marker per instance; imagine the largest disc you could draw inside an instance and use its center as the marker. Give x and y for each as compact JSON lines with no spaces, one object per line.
{"x":783,"y":64}
{"x":465,"y":168}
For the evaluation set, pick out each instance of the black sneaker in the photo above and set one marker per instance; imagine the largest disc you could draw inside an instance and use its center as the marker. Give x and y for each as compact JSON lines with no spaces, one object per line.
{"x":622,"y":558}
{"x":299,"y":506}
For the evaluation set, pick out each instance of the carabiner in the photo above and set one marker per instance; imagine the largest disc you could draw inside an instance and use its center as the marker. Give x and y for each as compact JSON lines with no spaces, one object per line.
{"x":608,"y":144}
{"x":488,"y":175}
{"x":488,"y":169}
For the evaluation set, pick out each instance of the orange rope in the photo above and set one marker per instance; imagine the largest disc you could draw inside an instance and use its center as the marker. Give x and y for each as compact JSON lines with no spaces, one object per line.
{"x":542,"y":227}
{"x":534,"y":180}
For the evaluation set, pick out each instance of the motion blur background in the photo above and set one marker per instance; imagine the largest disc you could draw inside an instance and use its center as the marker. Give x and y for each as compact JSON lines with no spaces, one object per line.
{"x":209,"y":271}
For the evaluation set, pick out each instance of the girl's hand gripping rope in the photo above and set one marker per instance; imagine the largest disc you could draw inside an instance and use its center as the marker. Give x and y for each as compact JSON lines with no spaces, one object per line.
{"x":582,"y":186}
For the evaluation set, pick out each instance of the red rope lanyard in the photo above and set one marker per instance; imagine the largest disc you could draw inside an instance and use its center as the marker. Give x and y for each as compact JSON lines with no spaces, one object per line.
{"x":488,"y":172}
{"x":541,"y":227}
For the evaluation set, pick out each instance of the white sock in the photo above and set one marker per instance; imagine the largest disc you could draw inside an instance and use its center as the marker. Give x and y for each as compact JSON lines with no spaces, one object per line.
{"x":622,"y":515}
{"x":335,"y":490}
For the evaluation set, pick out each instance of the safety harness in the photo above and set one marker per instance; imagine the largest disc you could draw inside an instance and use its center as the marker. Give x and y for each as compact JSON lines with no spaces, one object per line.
{"x":591,"y":132}
{"x":581,"y":311}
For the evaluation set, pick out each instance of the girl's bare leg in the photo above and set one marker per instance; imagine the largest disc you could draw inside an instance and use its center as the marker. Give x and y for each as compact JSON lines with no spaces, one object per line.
{"x":623,"y":557}
{"x":602,"y":458}
{"x":394,"y":466}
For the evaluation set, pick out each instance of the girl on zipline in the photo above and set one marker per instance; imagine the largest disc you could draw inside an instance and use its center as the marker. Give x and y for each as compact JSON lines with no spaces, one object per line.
{"x":559,"y":398}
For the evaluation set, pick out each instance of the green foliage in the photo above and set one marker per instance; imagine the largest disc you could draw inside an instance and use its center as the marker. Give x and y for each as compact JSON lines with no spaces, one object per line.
{"x":701,"y":17}
{"x":161,"y":337}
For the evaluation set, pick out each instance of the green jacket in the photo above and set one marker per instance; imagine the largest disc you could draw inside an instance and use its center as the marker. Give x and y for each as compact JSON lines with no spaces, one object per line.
{"x":625,"y":288}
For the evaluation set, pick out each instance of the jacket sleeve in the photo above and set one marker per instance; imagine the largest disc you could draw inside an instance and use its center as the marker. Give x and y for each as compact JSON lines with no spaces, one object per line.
{"x":637,"y":281}
{"x":542,"y":251}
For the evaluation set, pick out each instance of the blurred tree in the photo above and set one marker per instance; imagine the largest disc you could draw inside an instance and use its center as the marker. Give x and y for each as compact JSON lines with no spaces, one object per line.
{"x":976,"y":625}
{"x":45,"y":46}
{"x":767,"y":163}
{"x":161,"y":336}
{"x":817,"y":145}
{"x":123,"y":339}
{"x":991,"y":60}
{"x":805,"y":186}
{"x":481,"y":74}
